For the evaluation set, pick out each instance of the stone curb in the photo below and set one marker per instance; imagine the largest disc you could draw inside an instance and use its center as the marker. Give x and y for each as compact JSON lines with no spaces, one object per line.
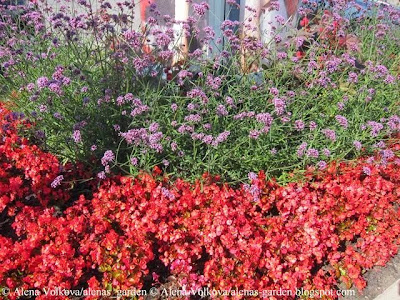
{"x":383,"y":283}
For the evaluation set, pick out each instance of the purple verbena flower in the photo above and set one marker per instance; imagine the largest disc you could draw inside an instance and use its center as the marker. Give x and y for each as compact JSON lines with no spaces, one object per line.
{"x":77,"y":136}
{"x":57,"y":181}
{"x":208,"y":139}
{"x":389,"y":79}
{"x":42,"y":82}
{"x":254,"y":134}
{"x":214,"y":82}
{"x":207,"y":126}
{"x":387,"y":154}
{"x":120,"y":100}
{"x":274,"y":91}
{"x":174,"y":146}
{"x":102,"y":175}
{"x":252,"y":176}
{"x":381,"y":70}
{"x":65,"y":81}
{"x":43,"y":108}
{"x":299,"y":125}
{"x":353,"y":77}
{"x":221,"y":110}
{"x":154,"y":127}
{"x":301,"y":149}
{"x":312,"y":125}
{"x":326,"y":152}
{"x":357,"y":145}
{"x":201,"y":9}
{"x":280,"y":105}
{"x":198,"y":93}
{"x":375,"y":128}
{"x":194,"y":118}
{"x":197,"y":136}
{"x":367,"y":171}
{"x":342,"y":121}
{"x":322,"y":165}
{"x":370,"y":160}
{"x":129,"y":97}
{"x":30,"y":87}
{"x":57,"y":115}
{"x":134,"y":161}
{"x":265,"y":118}
{"x":107,"y":157}
{"x":312,"y":153}
{"x":222,"y":137}
{"x":330,"y":134}
{"x":229,"y":101}
{"x":191,"y":107}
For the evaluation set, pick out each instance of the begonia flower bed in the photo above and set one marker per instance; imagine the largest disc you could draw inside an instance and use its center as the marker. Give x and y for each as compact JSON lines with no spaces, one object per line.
{"x":148,"y":231}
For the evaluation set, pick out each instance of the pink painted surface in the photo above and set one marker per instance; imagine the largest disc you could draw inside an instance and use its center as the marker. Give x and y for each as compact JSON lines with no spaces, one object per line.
{"x":291,"y":7}
{"x":143,"y":7}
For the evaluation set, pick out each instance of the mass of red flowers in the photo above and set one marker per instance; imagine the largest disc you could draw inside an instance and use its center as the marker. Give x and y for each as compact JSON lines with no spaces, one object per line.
{"x":134,"y":233}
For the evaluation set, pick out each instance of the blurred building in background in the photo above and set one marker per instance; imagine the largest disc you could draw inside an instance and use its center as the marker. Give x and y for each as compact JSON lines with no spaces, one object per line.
{"x":219,"y":10}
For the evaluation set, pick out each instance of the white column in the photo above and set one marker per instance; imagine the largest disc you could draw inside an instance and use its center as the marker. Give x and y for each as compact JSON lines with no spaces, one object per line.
{"x":269,"y":26}
{"x":181,"y":15}
{"x":249,"y":18}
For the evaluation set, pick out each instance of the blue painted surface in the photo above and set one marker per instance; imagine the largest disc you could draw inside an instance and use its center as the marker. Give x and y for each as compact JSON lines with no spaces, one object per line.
{"x":13,"y":2}
{"x":353,"y":10}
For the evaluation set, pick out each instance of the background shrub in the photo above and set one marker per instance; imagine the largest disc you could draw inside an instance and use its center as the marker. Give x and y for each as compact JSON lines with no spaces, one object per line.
{"x":93,"y":87}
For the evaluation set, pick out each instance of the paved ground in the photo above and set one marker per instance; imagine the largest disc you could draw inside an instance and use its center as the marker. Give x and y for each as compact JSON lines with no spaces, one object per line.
{"x":391,"y":293}
{"x":383,"y":283}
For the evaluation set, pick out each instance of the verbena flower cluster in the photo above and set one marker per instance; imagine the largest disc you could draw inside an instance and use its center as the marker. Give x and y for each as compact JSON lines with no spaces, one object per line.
{"x":95,"y":85}
{"x":151,"y":231}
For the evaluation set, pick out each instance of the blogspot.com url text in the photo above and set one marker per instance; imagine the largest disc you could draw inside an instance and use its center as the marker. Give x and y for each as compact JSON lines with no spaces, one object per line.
{"x":179,"y":293}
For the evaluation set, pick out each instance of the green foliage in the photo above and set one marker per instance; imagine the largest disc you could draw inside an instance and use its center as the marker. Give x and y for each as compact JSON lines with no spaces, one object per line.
{"x":103,"y":65}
